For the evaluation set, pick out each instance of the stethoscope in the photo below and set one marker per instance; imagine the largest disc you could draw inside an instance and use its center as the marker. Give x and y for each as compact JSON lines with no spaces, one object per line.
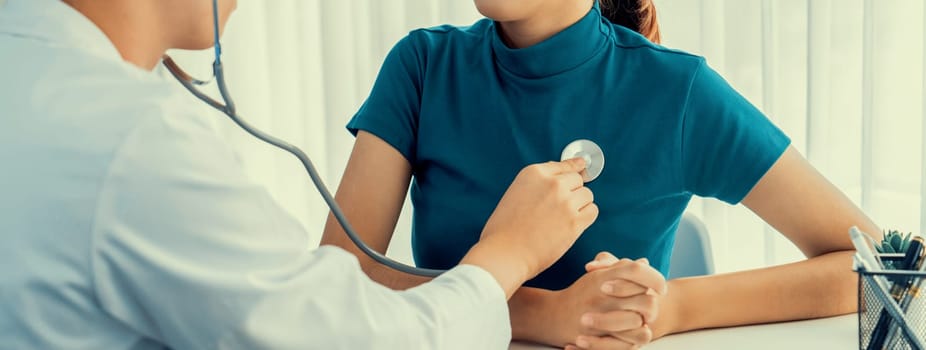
{"x":588,"y":150}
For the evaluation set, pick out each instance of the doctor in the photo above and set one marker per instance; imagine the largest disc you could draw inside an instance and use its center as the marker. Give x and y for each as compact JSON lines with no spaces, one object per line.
{"x":127,"y":222}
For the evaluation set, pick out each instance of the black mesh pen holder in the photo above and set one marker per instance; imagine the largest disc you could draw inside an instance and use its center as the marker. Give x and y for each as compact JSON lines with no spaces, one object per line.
{"x":892,"y":316}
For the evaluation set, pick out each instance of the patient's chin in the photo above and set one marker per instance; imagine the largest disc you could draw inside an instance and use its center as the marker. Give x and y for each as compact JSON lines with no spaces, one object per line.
{"x":496,"y":10}
{"x":196,"y":44}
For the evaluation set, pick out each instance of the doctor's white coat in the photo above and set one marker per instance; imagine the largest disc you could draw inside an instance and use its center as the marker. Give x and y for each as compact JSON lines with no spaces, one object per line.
{"x":126,"y":222}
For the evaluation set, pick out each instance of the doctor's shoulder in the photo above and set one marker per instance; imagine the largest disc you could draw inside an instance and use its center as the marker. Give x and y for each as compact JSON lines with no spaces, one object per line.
{"x":84,"y":91}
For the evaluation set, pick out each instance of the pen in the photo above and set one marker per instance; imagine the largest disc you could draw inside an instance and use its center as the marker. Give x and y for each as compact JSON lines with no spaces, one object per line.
{"x":908,"y":297}
{"x":912,"y":256}
{"x":866,"y":258}
{"x":864,"y":251}
{"x":909,"y":263}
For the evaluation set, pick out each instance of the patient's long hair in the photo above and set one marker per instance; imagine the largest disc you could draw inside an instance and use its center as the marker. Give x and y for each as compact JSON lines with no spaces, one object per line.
{"x":638,"y":15}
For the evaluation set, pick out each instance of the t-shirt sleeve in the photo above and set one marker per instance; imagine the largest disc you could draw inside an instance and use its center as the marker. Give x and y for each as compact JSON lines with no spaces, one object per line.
{"x":727,"y":143}
{"x":391,"y":110}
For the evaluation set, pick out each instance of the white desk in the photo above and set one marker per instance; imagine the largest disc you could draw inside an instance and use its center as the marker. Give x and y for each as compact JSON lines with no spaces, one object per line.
{"x":828,"y":333}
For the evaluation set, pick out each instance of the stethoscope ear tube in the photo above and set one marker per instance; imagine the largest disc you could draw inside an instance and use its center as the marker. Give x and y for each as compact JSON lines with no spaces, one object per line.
{"x":336,"y":211}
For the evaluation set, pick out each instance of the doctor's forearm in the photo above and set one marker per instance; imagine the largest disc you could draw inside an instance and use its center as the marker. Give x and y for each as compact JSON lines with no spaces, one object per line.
{"x":817,"y":287}
{"x":530,"y":309}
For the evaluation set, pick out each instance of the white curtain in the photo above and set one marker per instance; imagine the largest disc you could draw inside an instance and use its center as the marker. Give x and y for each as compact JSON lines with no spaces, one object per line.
{"x":843,"y":78}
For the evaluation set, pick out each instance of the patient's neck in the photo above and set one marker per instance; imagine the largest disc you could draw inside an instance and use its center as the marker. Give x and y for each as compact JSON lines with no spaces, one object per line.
{"x":544,"y":24}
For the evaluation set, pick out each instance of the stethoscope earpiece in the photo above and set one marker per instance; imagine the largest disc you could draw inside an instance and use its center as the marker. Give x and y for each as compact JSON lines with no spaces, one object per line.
{"x":588,"y":150}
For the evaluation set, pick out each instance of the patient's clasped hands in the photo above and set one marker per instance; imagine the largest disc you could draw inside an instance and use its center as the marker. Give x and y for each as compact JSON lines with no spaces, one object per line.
{"x":613,"y":305}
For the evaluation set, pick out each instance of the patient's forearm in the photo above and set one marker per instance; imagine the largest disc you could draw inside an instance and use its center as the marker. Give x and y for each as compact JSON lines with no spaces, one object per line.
{"x":388,"y":277}
{"x":818,"y":287}
{"x":530,"y":315}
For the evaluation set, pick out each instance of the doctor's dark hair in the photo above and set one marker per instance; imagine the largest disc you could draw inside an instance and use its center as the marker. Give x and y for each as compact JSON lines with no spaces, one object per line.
{"x":637,"y":15}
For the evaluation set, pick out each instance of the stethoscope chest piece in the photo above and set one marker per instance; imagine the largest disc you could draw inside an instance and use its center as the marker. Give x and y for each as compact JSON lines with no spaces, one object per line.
{"x":588,"y":150}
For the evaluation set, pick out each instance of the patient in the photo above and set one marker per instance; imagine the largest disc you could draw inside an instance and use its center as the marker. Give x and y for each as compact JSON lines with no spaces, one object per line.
{"x":457,"y":111}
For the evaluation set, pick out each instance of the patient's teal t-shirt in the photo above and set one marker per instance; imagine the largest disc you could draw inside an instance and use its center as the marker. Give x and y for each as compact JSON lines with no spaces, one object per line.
{"x":469,"y":113}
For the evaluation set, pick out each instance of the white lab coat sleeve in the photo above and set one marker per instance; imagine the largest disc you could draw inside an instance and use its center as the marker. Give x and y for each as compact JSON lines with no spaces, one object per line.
{"x":188,"y":252}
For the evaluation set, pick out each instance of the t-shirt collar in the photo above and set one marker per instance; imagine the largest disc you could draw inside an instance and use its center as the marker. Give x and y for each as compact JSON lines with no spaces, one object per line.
{"x":559,"y":53}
